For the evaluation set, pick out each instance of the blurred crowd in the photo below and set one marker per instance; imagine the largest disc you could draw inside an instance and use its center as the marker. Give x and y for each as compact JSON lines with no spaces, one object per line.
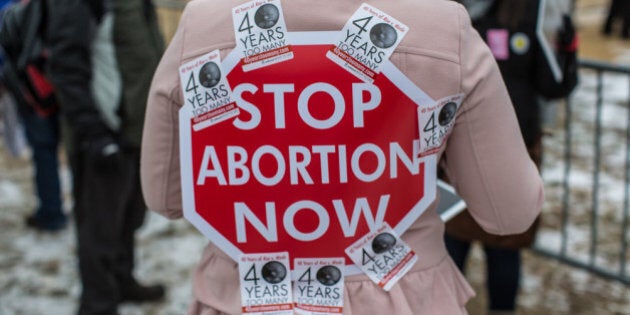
{"x":78,"y":73}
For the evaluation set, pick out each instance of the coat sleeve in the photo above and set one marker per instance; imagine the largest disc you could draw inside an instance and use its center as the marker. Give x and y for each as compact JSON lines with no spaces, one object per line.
{"x":68,"y":38}
{"x":486,"y":158}
{"x":159,"y":168}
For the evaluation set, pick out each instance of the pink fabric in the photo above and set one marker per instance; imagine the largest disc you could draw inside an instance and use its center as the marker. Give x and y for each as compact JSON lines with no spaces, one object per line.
{"x":438,"y":289}
{"x":485,"y":156}
{"x":433,"y":286}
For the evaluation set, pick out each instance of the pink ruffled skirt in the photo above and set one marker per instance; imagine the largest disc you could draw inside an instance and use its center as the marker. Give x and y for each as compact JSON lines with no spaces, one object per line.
{"x":438,"y":289}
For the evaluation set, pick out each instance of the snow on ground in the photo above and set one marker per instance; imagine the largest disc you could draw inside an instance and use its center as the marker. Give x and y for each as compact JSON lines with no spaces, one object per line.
{"x":38,"y":271}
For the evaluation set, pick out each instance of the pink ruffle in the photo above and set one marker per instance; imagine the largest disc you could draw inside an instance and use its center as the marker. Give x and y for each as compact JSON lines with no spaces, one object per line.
{"x":440,"y":289}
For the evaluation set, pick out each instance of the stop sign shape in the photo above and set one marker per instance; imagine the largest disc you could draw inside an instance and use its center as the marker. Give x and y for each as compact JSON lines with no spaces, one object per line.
{"x":315,"y":159}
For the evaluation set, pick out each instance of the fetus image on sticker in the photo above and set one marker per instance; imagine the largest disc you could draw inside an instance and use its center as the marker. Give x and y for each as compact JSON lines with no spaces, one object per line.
{"x":267,"y":16}
{"x":274,"y":272}
{"x":383,"y":35}
{"x":209,"y":75}
{"x":328,"y":275}
{"x":383,"y":242}
{"x":447,"y":113}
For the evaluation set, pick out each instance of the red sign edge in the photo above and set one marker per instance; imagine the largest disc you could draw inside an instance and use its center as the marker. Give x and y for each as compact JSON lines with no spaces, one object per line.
{"x":299,"y":38}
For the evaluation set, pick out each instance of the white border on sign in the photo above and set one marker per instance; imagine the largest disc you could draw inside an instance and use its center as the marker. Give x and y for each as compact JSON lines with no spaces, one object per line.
{"x":545,"y":44}
{"x":300,"y":38}
{"x":187,"y":184}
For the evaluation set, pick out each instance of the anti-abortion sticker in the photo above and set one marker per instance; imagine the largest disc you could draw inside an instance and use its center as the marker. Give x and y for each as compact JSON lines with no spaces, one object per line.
{"x":318,"y":288}
{"x":436,"y":122}
{"x":265,"y":284}
{"x":367,"y":40}
{"x":382,"y":256}
{"x":206,"y":91}
{"x":261,"y":34}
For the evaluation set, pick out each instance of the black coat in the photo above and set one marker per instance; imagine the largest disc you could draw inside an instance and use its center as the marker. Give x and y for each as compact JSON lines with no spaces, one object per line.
{"x":68,"y":35}
{"x":528,"y":76}
{"x":23,"y":48}
{"x":138,"y":48}
{"x":526,"y":71}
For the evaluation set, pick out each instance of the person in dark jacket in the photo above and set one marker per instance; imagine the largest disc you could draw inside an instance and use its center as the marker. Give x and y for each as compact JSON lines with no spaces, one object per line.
{"x":618,"y":11}
{"x":509,"y":29}
{"x":41,"y":123}
{"x":102,"y":142}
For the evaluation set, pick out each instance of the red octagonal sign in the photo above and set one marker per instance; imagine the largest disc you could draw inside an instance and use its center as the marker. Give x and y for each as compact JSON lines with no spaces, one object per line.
{"x":315,"y":160}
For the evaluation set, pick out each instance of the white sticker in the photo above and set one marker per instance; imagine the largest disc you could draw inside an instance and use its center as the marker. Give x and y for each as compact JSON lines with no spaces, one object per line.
{"x":206,"y":91}
{"x":382,"y":256}
{"x":261,"y":34}
{"x":367,"y":40}
{"x":318,"y":287}
{"x":435,"y":123}
{"x":265,"y":284}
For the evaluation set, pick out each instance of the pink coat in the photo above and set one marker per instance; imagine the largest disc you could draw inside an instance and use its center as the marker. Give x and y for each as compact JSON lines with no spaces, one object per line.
{"x":485,"y":156}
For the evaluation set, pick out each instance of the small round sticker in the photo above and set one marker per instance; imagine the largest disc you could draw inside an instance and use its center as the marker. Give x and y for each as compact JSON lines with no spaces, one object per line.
{"x":328,"y":275}
{"x":210,"y":75}
{"x":447,"y":113}
{"x":267,"y":16}
{"x":519,"y":43}
{"x":383,"y":242}
{"x":274,"y":272}
{"x":383,"y":35}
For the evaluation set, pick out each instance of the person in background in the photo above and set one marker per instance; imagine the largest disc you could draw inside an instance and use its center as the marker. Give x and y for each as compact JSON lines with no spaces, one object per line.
{"x":441,"y":54}
{"x":43,"y":136}
{"x":618,"y":11}
{"x":102,"y":136}
{"x":41,"y":126}
{"x":509,"y":29}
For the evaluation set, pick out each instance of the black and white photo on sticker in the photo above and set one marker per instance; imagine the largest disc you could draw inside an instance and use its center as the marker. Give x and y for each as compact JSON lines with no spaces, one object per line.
{"x":210,"y":75}
{"x":267,"y":16}
{"x":383,"y":35}
{"x":274,"y":272}
{"x":328,"y":275}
